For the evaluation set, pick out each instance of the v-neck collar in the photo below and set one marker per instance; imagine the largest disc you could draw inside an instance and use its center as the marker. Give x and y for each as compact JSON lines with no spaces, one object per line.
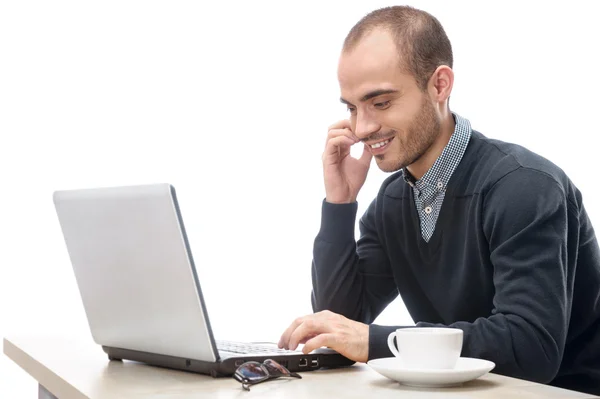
{"x":432,"y":188}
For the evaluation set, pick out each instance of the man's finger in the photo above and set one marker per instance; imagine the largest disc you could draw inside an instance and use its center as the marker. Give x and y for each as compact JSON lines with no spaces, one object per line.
{"x":326,"y":339}
{"x":310,"y":326}
{"x":341,"y":132}
{"x":366,"y":155}
{"x":285,"y":337}
{"x":343,"y":124}
{"x":307,"y":338}
{"x":338,"y":146}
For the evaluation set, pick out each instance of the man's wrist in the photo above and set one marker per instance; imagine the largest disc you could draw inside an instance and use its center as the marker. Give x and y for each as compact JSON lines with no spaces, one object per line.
{"x":336,"y":201}
{"x":338,"y":222}
{"x":378,"y":336}
{"x":364,"y":342}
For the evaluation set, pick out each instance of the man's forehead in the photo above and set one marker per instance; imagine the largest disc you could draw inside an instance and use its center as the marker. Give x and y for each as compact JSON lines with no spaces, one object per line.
{"x":374,"y":60}
{"x":352,"y":71}
{"x":373,"y":38}
{"x":376,"y":48}
{"x":359,"y":80}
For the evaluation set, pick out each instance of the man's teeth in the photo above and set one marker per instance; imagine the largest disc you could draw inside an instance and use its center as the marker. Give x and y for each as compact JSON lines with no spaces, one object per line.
{"x":380,"y":144}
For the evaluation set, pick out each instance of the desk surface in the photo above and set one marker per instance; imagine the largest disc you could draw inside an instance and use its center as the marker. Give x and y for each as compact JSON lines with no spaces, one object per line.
{"x":79,"y":369}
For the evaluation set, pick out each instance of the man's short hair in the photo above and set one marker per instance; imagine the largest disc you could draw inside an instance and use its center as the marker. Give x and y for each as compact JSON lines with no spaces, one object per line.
{"x":420,"y":39}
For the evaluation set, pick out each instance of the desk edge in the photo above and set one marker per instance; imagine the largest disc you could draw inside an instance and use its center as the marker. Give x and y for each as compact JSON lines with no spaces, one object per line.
{"x":45,"y":377}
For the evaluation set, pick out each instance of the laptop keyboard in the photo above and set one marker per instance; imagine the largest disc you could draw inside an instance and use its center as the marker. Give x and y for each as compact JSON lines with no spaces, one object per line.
{"x":245,"y":347}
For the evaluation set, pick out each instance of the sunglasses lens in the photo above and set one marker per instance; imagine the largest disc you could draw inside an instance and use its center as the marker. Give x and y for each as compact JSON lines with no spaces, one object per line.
{"x":252,"y":371}
{"x":275,"y":368}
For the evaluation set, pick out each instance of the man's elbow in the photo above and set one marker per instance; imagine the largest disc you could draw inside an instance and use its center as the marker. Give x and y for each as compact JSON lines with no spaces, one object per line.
{"x":541,"y":367}
{"x":544,"y":373}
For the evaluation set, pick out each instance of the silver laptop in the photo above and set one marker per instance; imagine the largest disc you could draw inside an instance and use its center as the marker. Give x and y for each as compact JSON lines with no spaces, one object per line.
{"x":138,"y":283}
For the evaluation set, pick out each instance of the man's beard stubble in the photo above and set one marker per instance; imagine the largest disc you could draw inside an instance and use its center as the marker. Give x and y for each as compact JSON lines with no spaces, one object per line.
{"x":420,"y":136}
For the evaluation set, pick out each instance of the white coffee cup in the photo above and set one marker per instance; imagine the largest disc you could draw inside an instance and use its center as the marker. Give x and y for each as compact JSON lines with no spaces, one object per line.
{"x":427,"y":347}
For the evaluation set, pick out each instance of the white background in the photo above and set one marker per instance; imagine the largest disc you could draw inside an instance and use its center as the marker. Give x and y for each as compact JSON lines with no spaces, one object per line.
{"x":230,"y":102}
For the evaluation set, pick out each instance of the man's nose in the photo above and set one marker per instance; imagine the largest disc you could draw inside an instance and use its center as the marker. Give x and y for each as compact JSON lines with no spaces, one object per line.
{"x":365,"y":125}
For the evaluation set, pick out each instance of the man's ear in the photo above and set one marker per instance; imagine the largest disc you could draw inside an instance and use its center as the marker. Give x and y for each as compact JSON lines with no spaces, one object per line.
{"x":440,"y":84}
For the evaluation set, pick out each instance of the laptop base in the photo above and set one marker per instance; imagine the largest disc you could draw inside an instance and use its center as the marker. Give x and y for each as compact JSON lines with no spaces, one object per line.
{"x":318,"y":359}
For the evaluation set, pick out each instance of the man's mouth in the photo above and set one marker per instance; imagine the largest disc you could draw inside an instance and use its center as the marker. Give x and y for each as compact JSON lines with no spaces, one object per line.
{"x":380,"y":144}
{"x":380,"y":147}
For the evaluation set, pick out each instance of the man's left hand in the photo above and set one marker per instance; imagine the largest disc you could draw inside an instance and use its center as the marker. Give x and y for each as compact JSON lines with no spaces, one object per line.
{"x":349,"y":338}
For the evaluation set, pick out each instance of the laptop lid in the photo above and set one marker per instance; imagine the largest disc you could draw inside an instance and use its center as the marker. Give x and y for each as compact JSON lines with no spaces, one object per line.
{"x":134,"y":270}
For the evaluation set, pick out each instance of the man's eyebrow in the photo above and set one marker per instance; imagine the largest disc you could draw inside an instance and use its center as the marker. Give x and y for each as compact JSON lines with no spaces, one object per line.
{"x":370,"y":95}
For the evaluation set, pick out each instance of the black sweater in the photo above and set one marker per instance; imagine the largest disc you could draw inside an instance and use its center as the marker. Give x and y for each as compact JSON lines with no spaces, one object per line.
{"x":513,"y":262}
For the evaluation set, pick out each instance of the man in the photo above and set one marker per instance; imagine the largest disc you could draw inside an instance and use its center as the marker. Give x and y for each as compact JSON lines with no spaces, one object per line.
{"x":473,"y":233}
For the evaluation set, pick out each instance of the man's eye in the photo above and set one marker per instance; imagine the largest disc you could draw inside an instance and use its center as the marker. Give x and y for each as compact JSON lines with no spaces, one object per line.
{"x":351,"y":110}
{"x":382,"y":105}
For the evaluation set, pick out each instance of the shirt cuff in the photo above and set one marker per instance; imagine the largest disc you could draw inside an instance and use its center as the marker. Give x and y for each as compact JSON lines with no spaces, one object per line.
{"x":338,"y":222}
{"x":378,"y":337}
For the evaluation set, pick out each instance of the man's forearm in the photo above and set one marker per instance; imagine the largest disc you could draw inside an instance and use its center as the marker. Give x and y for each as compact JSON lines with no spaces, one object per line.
{"x":516,"y":347}
{"x":335,"y":279}
{"x":350,"y":278}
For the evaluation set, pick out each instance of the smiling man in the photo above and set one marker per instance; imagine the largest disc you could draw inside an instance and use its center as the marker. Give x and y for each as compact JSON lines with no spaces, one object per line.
{"x":473,"y":233}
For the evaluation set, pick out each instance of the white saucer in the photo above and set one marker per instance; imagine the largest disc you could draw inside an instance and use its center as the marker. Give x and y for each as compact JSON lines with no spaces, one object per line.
{"x":466,"y":369}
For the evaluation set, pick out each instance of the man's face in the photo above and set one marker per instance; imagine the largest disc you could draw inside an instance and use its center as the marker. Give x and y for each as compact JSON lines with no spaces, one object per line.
{"x":388,"y":110}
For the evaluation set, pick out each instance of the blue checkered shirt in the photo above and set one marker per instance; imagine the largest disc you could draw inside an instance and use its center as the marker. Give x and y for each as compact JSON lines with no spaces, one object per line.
{"x":429,"y":191}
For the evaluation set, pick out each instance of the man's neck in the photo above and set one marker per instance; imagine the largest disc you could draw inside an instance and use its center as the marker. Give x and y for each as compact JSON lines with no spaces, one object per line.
{"x":423,"y":164}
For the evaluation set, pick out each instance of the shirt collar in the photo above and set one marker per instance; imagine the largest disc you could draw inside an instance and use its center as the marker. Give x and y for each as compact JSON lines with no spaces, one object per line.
{"x":437,"y":177}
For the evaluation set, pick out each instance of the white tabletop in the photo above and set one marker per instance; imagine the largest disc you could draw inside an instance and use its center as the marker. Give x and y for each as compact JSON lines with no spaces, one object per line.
{"x":71,"y":368}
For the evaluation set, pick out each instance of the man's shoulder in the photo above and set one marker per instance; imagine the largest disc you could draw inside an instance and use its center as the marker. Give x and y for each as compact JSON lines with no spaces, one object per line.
{"x":489,"y":160}
{"x":513,"y":155}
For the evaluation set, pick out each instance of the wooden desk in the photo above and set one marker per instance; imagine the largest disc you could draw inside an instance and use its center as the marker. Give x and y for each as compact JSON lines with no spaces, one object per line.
{"x":76,"y":369}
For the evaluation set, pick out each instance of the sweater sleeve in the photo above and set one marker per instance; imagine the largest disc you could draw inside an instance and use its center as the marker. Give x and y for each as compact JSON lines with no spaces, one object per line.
{"x":351,"y":278}
{"x":532,"y":237}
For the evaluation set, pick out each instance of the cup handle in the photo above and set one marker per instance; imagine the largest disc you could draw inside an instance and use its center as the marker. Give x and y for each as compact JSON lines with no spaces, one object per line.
{"x":391,"y":344}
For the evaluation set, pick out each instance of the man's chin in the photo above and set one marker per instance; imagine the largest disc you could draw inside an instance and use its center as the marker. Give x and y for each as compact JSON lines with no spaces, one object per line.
{"x":386,"y":165}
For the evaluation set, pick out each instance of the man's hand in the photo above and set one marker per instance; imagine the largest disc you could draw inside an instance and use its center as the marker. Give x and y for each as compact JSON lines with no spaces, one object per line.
{"x":350,"y":338}
{"x":344,"y":175}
